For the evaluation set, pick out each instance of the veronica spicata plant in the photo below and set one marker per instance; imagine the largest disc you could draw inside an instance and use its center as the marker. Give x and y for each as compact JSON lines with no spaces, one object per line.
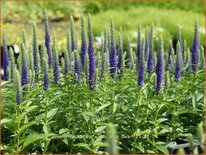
{"x":112,"y":55}
{"x":195,"y":48}
{"x":47,"y":39}
{"x":5,"y":57}
{"x":159,"y":66}
{"x":91,"y":54}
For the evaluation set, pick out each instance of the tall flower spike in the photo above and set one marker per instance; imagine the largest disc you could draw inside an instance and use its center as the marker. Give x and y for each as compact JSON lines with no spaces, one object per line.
{"x":195,"y":48}
{"x":167,"y":79}
{"x":112,"y":139}
{"x":139,"y":41}
{"x":46,"y":84}
{"x":35,"y":47}
{"x":184,"y":51}
{"x":66,"y":62}
{"x":31,"y":61}
{"x":17,"y":86}
{"x":5,"y":57}
{"x":38,"y":62}
{"x":86,"y":69}
{"x":73,"y":34}
{"x":108,"y":38}
{"x":92,"y":60}
{"x":112,"y":60}
{"x":202,"y":56}
{"x":24,"y":65}
{"x":77,"y":69}
{"x":11,"y":64}
{"x":47,"y":39}
{"x":102,"y":57}
{"x":120,"y":53}
{"x":84,"y":43}
{"x":146,"y":45}
{"x":150,"y":61}
{"x":98,"y":62}
{"x":141,"y":67}
{"x":188,"y":60}
{"x":44,"y":53}
{"x":168,"y":58}
{"x":56,"y":62}
{"x":106,"y":48}
{"x":178,"y":63}
{"x":69,"y":49}
{"x":129,"y":54}
{"x":159,"y":66}
{"x":179,"y":38}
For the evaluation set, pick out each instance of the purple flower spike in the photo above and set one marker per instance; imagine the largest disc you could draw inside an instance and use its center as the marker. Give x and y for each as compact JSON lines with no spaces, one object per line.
{"x":112,"y":58}
{"x":159,"y":66}
{"x":73,"y":35}
{"x":139,"y":41}
{"x":56,"y":63}
{"x":150,"y":61}
{"x":84,"y":43}
{"x":92,"y":60}
{"x":5,"y":57}
{"x":47,"y":39}
{"x":17,"y":85}
{"x":35,"y":47}
{"x":169,"y":57}
{"x":46,"y":75}
{"x":178,"y":63}
{"x":24,"y":65}
{"x":141,"y":75}
{"x":195,"y":48}
{"x":120,"y":53}
{"x":77,"y":69}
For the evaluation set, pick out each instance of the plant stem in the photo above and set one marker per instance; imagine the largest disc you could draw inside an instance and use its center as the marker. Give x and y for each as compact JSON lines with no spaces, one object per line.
{"x":46,"y":121}
{"x":17,"y":138}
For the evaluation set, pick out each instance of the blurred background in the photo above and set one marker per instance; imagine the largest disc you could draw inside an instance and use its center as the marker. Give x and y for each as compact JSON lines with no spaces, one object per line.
{"x":165,"y":16}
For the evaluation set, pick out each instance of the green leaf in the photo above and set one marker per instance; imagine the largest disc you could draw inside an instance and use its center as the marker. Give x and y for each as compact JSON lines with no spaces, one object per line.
{"x":46,"y":128}
{"x":102,"y":107}
{"x":139,"y":147}
{"x":99,"y":129}
{"x":99,"y":144}
{"x":52,"y":113}
{"x":6,"y":120}
{"x":24,"y":127}
{"x":57,"y":97}
{"x":162,"y":148}
{"x":83,"y":145}
{"x":33,"y":138}
{"x":162,"y":120}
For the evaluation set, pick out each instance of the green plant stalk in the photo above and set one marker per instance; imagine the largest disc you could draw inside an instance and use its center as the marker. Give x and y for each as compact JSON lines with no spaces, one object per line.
{"x":91,"y":121}
{"x":137,"y":114}
{"x":17,"y":138}
{"x":46,"y":121}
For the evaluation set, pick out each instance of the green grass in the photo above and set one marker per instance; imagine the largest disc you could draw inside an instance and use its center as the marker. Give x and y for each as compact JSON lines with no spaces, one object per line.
{"x":167,"y":20}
